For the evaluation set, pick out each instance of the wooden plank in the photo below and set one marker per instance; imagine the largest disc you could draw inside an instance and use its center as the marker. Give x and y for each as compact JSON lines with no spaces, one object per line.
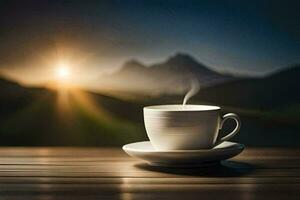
{"x":259,"y":174}
{"x":117,"y":152}
{"x":220,"y":190}
{"x":136,"y":196}
{"x":87,"y":160}
{"x":233,"y":163}
{"x":151,"y":180}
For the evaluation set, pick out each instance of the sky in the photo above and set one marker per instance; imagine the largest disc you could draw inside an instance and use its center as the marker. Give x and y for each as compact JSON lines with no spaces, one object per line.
{"x":97,"y":37}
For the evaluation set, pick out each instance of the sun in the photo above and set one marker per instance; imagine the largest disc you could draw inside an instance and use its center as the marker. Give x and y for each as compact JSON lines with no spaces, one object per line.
{"x":63,"y":72}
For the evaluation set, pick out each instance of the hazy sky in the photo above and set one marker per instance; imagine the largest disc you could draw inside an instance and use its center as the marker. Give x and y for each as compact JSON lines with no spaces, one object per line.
{"x":248,"y":37}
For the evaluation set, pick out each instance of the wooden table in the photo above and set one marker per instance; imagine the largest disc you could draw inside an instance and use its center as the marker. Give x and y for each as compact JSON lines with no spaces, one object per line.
{"x":108,"y":173}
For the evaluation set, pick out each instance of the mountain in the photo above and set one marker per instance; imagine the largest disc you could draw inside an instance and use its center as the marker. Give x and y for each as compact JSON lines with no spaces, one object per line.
{"x":13,"y":96}
{"x":45,"y":117}
{"x":277,"y":90}
{"x":170,"y":77}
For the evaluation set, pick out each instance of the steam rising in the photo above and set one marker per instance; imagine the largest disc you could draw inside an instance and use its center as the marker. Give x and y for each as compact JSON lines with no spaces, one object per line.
{"x":195,"y":87}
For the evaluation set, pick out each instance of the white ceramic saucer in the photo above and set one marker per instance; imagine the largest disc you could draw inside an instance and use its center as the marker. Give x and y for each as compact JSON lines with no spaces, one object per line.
{"x":183,"y":158}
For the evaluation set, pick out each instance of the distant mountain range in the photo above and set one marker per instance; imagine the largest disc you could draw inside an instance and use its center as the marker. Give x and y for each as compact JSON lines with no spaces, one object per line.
{"x":173,"y":77}
{"x":277,"y":90}
{"x":170,"y":77}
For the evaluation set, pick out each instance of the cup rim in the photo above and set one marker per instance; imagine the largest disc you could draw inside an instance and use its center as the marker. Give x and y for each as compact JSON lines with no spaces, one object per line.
{"x":179,"y":108}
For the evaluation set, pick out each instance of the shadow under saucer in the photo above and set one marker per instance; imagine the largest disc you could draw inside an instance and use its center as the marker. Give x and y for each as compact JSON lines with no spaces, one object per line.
{"x":223,"y":169}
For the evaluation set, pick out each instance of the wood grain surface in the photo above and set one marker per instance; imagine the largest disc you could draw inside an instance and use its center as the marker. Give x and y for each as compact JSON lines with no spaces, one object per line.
{"x":108,"y":173}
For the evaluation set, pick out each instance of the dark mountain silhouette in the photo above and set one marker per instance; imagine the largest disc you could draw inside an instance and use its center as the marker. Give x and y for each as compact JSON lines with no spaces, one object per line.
{"x":13,"y":96}
{"x":277,"y":90}
{"x":170,"y":77}
{"x":32,"y":116}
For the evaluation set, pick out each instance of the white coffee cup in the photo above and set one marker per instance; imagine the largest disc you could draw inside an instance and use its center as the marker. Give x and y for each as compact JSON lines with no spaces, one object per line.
{"x":188,"y":127}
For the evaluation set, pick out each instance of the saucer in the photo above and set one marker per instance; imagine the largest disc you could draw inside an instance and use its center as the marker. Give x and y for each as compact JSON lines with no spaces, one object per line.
{"x":183,"y":158}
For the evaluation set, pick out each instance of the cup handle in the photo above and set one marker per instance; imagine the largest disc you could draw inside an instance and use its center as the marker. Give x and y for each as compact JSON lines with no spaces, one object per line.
{"x":236,"y":118}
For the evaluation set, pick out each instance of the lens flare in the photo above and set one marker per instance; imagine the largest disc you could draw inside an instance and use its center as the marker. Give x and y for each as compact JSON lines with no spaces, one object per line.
{"x":63,"y":72}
